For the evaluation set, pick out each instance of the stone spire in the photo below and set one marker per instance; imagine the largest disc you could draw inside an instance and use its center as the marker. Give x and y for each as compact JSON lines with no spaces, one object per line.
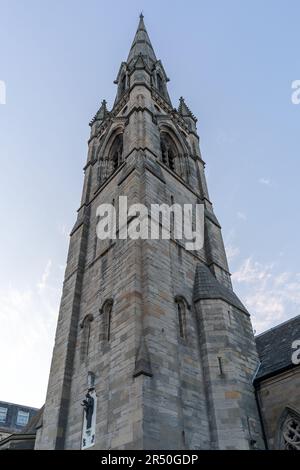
{"x":141,"y":44}
{"x":101,"y":114}
{"x":187,"y":115}
{"x":184,"y":110}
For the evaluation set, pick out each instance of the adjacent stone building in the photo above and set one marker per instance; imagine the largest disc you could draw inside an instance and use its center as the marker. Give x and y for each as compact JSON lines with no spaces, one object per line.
{"x":14,"y":418}
{"x":153,"y":349}
{"x":278,"y":384}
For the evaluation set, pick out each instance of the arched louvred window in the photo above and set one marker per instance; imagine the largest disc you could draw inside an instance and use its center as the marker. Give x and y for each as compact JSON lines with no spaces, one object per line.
{"x":289,"y":430}
{"x":116,"y":152}
{"x":106,"y":312}
{"x":175,"y":151}
{"x":85,"y":336}
{"x":182,"y":307}
{"x":110,"y":156}
{"x":169,"y":151}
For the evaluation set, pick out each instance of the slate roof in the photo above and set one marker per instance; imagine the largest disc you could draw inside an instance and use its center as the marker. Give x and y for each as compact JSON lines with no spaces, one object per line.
{"x":208,"y":287}
{"x":274,"y":347}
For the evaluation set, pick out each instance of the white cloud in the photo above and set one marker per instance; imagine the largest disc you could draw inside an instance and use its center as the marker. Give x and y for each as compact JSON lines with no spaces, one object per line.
{"x":265,"y":181}
{"x":232,"y":252}
{"x":28,"y":319}
{"x":251,"y":271}
{"x":270,"y":296}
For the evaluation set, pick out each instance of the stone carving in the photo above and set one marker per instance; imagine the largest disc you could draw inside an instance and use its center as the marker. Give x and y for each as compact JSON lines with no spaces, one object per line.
{"x":291,"y":434}
{"x":89,"y":419}
{"x":88,"y":405}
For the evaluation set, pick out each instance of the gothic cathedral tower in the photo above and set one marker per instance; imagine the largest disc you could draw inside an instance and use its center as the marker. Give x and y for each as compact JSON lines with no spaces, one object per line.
{"x":151,"y":338}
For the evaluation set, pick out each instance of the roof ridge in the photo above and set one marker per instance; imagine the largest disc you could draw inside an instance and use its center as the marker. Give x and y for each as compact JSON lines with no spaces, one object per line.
{"x":278,"y":326}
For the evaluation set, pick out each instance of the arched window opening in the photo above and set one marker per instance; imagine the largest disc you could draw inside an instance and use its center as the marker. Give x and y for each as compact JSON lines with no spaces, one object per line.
{"x":107,"y":319}
{"x":116,"y":152}
{"x":169,"y":151}
{"x":85,"y":336}
{"x":181,"y":314}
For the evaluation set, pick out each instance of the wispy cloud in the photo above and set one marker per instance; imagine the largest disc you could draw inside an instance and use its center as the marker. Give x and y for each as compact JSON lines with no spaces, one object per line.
{"x":232,"y":252}
{"x":270,"y":296}
{"x":251,"y":271}
{"x":265,"y":181}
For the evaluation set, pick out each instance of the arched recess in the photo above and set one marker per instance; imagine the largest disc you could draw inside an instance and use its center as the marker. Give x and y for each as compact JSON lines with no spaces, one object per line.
{"x":174,"y":151}
{"x":106,"y":312}
{"x":85,"y":326}
{"x":288,"y":433}
{"x":110,"y":156}
{"x":182,"y":308}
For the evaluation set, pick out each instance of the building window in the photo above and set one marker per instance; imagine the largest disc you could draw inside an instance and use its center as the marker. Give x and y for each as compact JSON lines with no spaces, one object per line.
{"x":3,"y":414}
{"x":85,"y":336}
{"x":168,"y":151}
{"x":181,"y":314}
{"x":181,"y":319}
{"x":22,"y":418}
{"x":106,"y":311}
{"x":116,"y":152}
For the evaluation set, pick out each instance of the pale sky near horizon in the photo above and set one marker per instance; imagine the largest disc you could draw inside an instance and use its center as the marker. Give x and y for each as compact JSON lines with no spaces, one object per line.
{"x":233,"y":61}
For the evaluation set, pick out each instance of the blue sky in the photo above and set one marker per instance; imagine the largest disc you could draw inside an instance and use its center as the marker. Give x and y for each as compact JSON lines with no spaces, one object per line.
{"x":233,"y":61}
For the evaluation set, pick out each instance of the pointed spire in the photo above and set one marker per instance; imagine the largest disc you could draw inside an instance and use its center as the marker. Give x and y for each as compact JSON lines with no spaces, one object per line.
{"x":102,"y":111}
{"x":184,"y":110}
{"x":101,"y":114}
{"x":141,"y":44}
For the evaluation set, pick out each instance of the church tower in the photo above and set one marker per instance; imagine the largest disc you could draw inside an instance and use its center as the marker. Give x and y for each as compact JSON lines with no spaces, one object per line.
{"x":153,"y":349}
